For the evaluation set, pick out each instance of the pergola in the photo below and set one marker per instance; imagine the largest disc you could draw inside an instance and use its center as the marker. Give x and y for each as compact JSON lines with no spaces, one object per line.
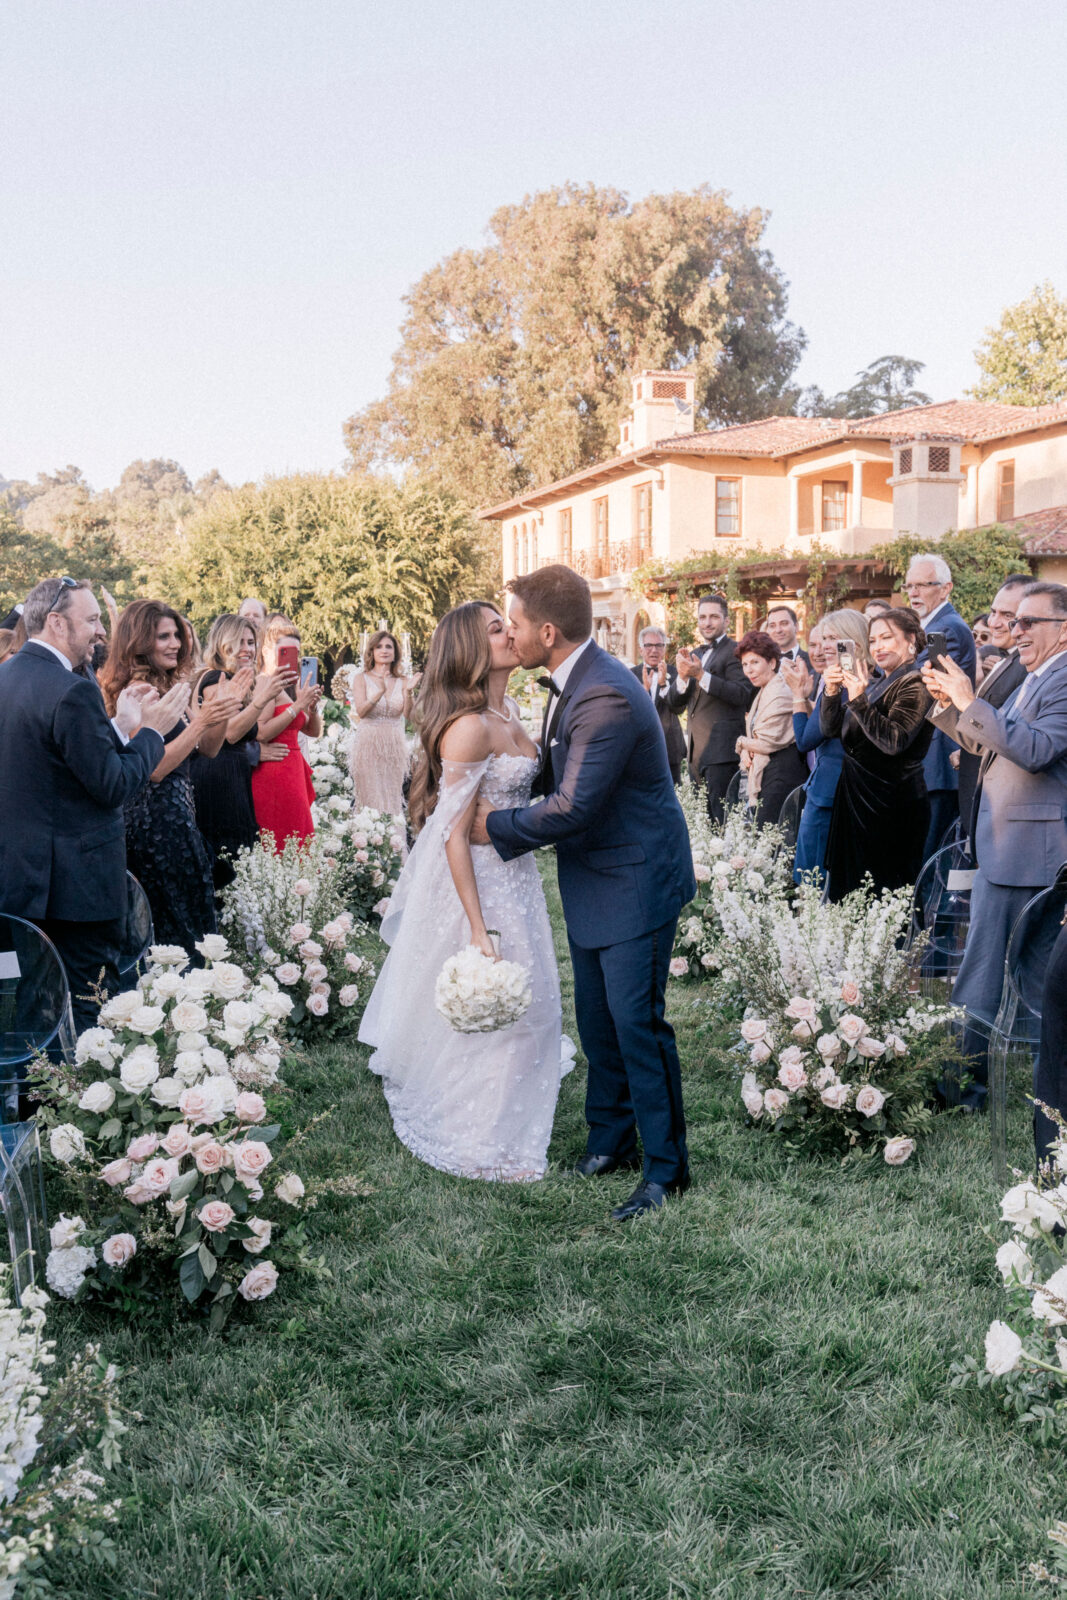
{"x":786,"y":579}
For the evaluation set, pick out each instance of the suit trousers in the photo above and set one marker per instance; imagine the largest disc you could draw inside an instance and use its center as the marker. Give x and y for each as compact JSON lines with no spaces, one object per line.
{"x":812,"y":838}
{"x":1050,"y":1066}
{"x":944,"y":810}
{"x":90,"y":952}
{"x":718,"y":778}
{"x":978,"y":986}
{"x":635,"y":1081}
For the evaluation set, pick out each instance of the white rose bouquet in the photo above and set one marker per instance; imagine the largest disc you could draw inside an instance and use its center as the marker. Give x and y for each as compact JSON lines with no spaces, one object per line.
{"x":476,"y":994}
{"x":162,"y":1141}
{"x":1026,"y":1351}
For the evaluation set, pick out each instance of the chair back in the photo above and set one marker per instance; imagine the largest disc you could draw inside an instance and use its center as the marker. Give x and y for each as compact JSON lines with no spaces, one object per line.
{"x":941,"y":908}
{"x":22,"y":1204}
{"x":138,"y":933}
{"x":734,"y":794}
{"x":790,"y":814}
{"x":35,"y":1010}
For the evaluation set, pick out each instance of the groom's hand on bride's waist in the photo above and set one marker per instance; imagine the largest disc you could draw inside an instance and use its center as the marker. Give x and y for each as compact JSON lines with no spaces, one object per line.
{"x":479,"y":832}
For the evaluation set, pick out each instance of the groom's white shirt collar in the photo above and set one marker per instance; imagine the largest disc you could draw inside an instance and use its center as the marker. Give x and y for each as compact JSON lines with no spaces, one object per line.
{"x":565,"y":668}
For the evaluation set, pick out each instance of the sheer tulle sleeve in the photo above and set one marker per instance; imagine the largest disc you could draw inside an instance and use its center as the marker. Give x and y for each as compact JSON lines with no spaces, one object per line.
{"x":459,"y":785}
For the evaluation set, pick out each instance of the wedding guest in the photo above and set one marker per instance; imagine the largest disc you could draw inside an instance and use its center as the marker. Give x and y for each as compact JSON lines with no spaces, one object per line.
{"x":196,"y":652}
{"x":929,"y":586}
{"x":282,"y":791}
{"x":7,"y":643}
{"x":222,"y":784}
{"x":876,"y":608}
{"x":256,"y":612}
{"x":981,"y":631}
{"x":781,"y":625}
{"x":65,"y":776}
{"x":382,"y":700}
{"x":767,"y":748}
{"x":850,"y":628}
{"x":999,"y":682}
{"x":657,"y":675}
{"x":881,"y":813}
{"x":711,"y":687}
{"x":164,"y":847}
{"x":1020,"y":833}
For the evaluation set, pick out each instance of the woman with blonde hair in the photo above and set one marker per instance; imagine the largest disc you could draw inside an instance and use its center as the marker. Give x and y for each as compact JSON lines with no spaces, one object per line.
{"x":222,"y":785}
{"x":164,"y":848}
{"x":845,"y":627}
{"x":282,"y":791}
{"x":476,"y":1105}
{"x":382,"y":700}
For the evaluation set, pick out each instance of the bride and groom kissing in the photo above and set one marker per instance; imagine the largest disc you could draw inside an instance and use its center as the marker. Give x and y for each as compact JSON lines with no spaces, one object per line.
{"x":483,"y":798}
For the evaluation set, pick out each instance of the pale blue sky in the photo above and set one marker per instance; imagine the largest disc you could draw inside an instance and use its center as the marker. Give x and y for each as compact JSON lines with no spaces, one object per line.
{"x":211,"y":210}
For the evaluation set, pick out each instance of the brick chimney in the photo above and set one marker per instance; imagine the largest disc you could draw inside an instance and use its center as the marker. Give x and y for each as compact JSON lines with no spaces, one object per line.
{"x":926,"y":484}
{"x":663,"y":405}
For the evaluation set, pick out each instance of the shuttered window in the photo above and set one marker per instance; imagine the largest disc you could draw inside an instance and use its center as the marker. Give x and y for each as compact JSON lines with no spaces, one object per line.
{"x":1006,"y":491}
{"x":727,"y":508}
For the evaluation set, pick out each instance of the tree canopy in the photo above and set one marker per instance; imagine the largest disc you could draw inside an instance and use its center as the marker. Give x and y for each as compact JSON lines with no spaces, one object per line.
{"x":885,"y":385}
{"x":333,"y":553}
{"x":515,"y":359}
{"x":1023,"y":360}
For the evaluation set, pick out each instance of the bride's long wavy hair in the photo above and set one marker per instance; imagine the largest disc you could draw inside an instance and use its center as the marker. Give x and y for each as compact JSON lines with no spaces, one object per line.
{"x":455,"y":682}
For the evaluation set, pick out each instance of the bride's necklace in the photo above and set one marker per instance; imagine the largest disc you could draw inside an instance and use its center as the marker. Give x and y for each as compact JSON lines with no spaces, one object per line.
{"x":505,"y":716}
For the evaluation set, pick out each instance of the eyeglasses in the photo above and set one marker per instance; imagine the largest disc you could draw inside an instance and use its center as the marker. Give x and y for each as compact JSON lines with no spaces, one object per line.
{"x":928,"y":583}
{"x":64,"y":583}
{"x":1024,"y":624}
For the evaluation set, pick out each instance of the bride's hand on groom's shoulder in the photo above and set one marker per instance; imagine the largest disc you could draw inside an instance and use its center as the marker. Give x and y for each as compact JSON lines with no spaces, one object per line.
{"x":479,"y":832}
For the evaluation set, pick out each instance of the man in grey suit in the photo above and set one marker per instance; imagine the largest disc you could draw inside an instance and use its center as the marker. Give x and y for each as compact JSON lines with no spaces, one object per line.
{"x":711,"y":687}
{"x":656,"y":675}
{"x":1020,"y":831}
{"x":997,"y":686}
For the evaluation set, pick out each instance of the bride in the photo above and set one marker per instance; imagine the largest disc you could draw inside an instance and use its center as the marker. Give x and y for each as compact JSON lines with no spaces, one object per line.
{"x":477,"y":1105}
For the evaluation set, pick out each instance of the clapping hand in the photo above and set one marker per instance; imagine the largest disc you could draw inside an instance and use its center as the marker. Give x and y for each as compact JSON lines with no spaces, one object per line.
{"x":798,"y":678}
{"x":269,"y":686}
{"x":165,"y":712}
{"x":307,"y":698}
{"x":223,"y":705}
{"x":948,"y":683}
{"x":688,"y":665}
{"x":242,"y":681}
{"x":131,"y":704}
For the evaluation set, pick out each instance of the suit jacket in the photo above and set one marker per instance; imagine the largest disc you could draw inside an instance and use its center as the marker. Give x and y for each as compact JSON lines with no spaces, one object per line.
{"x":64,"y":778}
{"x":997,"y":689}
{"x":622,"y":846}
{"x":716,"y":717}
{"x":937,"y":768}
{"x":1020,"y":833}
{"x":829,"y":754}
{"x":669,"y":719}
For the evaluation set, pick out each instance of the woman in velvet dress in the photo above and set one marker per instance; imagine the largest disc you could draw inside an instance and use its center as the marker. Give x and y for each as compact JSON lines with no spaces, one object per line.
{"x":164,"y":848}
{"x":881,"y":810}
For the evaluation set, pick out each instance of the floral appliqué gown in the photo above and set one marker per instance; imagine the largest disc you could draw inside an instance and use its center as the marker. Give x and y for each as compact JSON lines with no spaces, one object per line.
{"x":476,"y":1105}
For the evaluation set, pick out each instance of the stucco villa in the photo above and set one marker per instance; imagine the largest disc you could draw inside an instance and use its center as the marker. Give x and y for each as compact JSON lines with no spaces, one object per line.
{"x":783,"y":484}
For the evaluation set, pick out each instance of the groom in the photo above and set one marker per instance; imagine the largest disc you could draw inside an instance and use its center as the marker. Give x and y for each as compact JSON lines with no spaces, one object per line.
{"x":625,"y":872}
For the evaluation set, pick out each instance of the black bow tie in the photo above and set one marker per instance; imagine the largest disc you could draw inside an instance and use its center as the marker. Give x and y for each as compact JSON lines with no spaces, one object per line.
{"x":549,"y":684}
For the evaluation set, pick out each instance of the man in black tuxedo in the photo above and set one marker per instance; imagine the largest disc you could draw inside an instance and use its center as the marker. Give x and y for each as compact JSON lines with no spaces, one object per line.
{"x":656,"y":675}
{"x":65,"y":775}
{"x":781,"y":626}
{"x":714,"y":691}
{"x":998,"y":686}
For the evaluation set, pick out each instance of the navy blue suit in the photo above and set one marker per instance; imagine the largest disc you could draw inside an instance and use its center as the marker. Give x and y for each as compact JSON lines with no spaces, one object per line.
{"x":942,"y":779}
{"x":625,"y":871}
{"x":64,"y":777}
{"x":820,"y":789}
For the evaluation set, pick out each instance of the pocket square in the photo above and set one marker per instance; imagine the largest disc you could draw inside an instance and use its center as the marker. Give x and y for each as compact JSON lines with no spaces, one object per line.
{"x":553,"y":745}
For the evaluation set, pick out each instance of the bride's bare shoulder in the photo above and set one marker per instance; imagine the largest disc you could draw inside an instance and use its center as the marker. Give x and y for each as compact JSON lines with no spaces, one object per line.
{"x":467,"y":739}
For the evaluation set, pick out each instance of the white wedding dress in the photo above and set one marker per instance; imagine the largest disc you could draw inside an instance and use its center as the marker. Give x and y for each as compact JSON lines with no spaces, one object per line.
{"x":478,"y":1105}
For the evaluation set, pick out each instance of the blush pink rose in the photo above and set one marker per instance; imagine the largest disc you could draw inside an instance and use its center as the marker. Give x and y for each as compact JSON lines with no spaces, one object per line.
{"x":802,"y":1009}
{"x":139,"y":1193}
{"x":869,"y":1100}
{"x":119,"y":1249}
{"x":317,"y":1004}
{"x":251,"y":1157}
{"x":260,"y":1282}
{"x":250,"y":1107}
{"x":299,"y":931}
{"x":178,"y":1141}
{"x":216,"y":1216}
{"x":851,"y":1027}
{"x":870,"y":1049}
{"x":793,"y":1077}
{"x":145,"y":1145}
{"x":302,"y":887}
{"x":117,"y":1172}
{"x":211,"y":1158}
{"x":261,"y":1231}
{"x":899,"y":1150}
{"x":753,"y":1029}
{"x":835,"y":1096}
{"x":775,"y":1102}
{"x":760,"y":1052}
{"x":850,"y":992}
{"x":158,"y":1175}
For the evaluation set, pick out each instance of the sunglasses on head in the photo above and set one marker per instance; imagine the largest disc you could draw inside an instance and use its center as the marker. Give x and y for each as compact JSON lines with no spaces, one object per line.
{"x":64,"y":583}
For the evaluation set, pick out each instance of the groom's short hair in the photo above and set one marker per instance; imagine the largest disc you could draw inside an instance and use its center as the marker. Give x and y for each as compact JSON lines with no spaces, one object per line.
{"x":558,"y":595}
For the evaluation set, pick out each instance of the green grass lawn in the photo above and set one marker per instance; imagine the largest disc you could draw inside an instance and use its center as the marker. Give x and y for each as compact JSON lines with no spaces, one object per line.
{"x":501,"y":1393}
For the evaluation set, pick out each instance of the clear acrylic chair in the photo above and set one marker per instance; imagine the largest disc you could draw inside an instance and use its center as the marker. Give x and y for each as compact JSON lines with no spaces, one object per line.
{"x":1016,"y":1032}
{"x":789,"y":816}
{"x":735,"y":795}
{"x":22,"y":1203}
{"x":35,"y":1010}
{"x":138,"y":934}
{"x":941,"y":908}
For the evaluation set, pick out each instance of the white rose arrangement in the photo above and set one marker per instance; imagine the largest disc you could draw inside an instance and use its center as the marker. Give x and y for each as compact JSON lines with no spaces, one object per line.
{"x":167,"y":1146}
{"x":290,"y":910}
{"x":476,"y":994}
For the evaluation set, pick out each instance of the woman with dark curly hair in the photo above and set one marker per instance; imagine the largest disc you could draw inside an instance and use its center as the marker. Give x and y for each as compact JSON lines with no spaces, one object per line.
{"x":768,"y":749}
{"x":164,"y":848}
{"x":881,"y":810}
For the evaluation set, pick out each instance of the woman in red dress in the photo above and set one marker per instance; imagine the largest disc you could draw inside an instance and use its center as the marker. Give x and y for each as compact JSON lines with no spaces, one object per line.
{"x":282,"y":791}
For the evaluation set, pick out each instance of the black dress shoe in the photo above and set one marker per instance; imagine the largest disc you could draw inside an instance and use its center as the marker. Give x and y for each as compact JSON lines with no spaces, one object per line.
{"x":599,"y":1166}
{"x":648,"y":1197}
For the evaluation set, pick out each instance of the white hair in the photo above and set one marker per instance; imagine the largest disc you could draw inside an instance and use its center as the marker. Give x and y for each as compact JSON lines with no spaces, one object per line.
{"x":641,"y":637}
{"x":942,"y":570}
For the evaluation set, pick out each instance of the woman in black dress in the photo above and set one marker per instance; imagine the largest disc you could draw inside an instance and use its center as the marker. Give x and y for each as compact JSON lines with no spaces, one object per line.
{"x":881,"y":810}
{"x":222,"y":784}
{"x":164,"y":849}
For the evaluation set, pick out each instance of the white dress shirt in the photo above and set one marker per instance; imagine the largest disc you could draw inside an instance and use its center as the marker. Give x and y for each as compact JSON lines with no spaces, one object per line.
{"x":66,"y":662}
{"x":559,"y":678}
{"x":705,"y":677}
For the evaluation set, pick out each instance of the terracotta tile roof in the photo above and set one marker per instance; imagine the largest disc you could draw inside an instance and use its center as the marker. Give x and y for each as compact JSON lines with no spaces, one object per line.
{"x":1045,"y":532}
{"x":771,"y":436}
{"x":971,"y":420}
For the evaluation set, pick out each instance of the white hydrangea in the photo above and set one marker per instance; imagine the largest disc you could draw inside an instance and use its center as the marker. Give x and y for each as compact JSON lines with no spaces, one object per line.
{"x":66,"y":1268}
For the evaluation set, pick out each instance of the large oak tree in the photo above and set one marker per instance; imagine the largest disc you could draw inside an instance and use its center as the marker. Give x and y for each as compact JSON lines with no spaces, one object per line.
{"x":515,"y":359}
{"x":1023,"y":360}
